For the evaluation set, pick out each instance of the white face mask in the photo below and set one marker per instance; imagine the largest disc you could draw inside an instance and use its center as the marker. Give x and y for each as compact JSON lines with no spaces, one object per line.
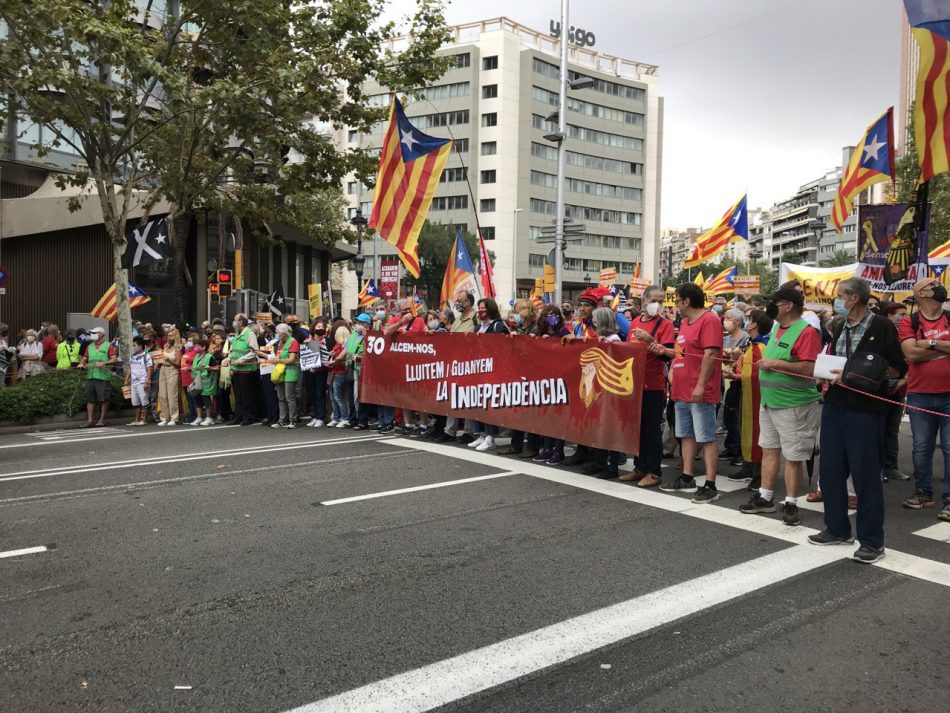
{"x":360,"y":328}
{"x":189,"y":344}
{"x":30,"y":339}
{"x":653,"y":309}
{"x":433,"y":324}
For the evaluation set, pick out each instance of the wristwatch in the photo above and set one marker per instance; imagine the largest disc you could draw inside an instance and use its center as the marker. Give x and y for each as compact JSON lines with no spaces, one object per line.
{"x":932,"y":343}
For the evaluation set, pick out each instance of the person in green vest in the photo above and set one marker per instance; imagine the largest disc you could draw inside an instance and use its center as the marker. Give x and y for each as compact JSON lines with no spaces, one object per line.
{"x":243,"y":362}
{"x":789,"y":415}
{"x":67,"y":353}
{"x":204,"y":368}
{"x":98,"y":360}
{"x":287,"y":353}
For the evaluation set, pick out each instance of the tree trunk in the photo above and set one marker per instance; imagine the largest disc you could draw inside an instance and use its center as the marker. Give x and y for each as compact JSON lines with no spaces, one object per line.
{"x":115,"y":226}
{"x":179,"y":226}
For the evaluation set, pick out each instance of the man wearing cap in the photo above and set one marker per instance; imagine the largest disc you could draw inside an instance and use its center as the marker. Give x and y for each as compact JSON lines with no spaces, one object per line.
{"x":99,"y":359}
{"x":789,"y":414}
{"x":244,"y":370}
{"x":925,"y":341}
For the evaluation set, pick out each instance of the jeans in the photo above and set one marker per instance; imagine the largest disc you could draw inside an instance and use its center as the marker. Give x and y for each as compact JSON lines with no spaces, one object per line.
{"x":287,"y":401}
{"x":852,"y":443}
{"x":338,"y":395}
{"x":925,"y":428}
{"x":316,"y":385}
{"x":650,"y":457}
{"x":270,"y":399}
{"x":487,"y":428}
{"x":892,"y":429}
{"x":386,"y":416}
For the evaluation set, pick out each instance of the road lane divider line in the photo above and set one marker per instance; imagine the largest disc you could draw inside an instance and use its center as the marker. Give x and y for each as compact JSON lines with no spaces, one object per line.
{"x":417,"y":488}
{"x":150,"y":484}
{"x":185,"y":457}
{"x":939,"y":532}
{"x":527,"y":655}
{"x":894,"y":561}
{"x":78,"y":438}
{"x":24,"y":551}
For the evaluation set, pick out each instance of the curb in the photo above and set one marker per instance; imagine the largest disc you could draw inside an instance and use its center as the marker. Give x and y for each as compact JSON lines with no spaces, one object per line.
{"x":53,"y":423}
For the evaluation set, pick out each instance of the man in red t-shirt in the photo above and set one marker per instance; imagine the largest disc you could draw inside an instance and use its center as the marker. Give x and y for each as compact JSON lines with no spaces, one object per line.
{"x":50,"y":344}
{"x":925,"y":341}
{"x":651,"y":327}
{"x":696,"y":390}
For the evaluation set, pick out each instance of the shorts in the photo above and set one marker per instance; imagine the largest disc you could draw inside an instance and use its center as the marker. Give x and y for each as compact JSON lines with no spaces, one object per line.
{"x":97,"y":390}
{"x":794,"y":430}
{"x":139,"y":395}
{"x":697,"y":421}
{"x":202,"y":401}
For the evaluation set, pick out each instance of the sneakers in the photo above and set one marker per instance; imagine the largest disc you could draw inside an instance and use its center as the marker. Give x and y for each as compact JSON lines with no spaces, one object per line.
{"x":868,"y":555}
{"x":466,"y":438}
{"x":706,"y":494}
{"x":945,"y":513}
{"x":896,"y":475}
{"x":196,"y":422}
{"x":388,"y":428}
{"x":736,"y":462}
{"x":332,"y":423}
{"x":487,"y":442}
{"x":790,"y":515}
{"x":542,"y":456}
{"x":206,"y":422}
{"x":826,"y":538}
{"x":635,"y":475}
{"x":444,"y":438}
{"x":508,"y":451}
{"x":278,"y":425}
{"x":477,"y":442}
{"x":291,"y":425}
{"x":739,"y":477}
{"x":756,"y":505}
{"x":342,"y":424}
{"x":649,"y":481}
{"x":557,"y":456}
{"x":317,"y":423}
{"x":311,"y":423}
{"x":683,"y":484}
{"x":919,"y":501}
{"x":163,"y":422}
{"x":527,"y":453}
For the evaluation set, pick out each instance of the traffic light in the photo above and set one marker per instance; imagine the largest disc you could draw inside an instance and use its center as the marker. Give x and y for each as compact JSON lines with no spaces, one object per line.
{"x":213,"y":289}
{"x":225,"y":283}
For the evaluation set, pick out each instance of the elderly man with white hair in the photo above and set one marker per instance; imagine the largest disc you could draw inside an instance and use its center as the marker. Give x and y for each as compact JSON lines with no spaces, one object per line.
{"x":735,"y":340}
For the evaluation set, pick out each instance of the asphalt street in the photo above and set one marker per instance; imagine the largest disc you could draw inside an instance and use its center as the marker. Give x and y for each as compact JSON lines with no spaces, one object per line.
{"x":315,"y":570}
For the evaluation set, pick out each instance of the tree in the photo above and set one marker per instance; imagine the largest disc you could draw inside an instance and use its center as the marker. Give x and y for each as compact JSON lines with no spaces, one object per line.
{"x":840,"y":258}
{"x":435,"y":249}
{"x":201,"y":109}
{"x":907,"y":174}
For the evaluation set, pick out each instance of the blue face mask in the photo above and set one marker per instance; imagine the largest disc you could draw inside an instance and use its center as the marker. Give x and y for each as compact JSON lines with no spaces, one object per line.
{"x":553,"y":320}
{"x":518,"y":319}
{"x":839,"y":307}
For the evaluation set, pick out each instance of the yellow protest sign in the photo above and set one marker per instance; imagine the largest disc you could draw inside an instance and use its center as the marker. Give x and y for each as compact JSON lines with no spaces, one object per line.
{"x":315,"y":298}
{"x":820,"y":284}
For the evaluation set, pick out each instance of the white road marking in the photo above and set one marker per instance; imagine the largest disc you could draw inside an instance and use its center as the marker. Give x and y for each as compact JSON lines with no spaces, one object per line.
{"x":723,"y":484}
{"x":104,"y":434}
{"x":816,"y":507}
{"x":939,"y":532}
{"x":149,"y":484}
{"x":24,"y":551}
{"x":184,"y":457}
{"x":895,"y":561}
{"x":417,"y":488}
{"x":443,"y":682}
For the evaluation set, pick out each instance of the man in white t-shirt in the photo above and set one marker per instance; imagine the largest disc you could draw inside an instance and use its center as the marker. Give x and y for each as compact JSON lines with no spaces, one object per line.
{"x":139,"y":378}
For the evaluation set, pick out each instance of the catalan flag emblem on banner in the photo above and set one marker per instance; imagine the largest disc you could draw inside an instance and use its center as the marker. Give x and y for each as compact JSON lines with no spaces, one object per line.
{"x":410,"y":166}
{"x":930,"y":24}
{"x":107,"y":308}
{"x":733,"y":226}
{"x":369,"y":294}
{"x":871,"y":162}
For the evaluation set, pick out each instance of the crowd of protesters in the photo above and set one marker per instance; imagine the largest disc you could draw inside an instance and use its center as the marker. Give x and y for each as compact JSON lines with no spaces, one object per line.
{"x":743,"y":372}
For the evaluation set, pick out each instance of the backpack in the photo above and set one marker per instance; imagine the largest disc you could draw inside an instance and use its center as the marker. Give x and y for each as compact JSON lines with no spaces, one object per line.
{"x":915,"y":320}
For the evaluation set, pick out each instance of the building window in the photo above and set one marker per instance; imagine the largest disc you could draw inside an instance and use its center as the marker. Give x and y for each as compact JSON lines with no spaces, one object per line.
{"x":427,"y":121}
{"x":449,"y":203}
{"x":450,"y":175}
{"x":489,"y":148}
{"x":488,"y":176}
{"x":460,"y":61}
{"x":460,"y":226}
{"x":489,"y":91}
{"x":488,"y":232}
{"x":487,"y":205}
{"x":352,"y":187}
{"x":490,"y":119}
{"x":490,"y":62}
{"x":353,"y":136}
{"x":461,"y":145}
{"x":446,"y":91}
{"x":535,"y":260}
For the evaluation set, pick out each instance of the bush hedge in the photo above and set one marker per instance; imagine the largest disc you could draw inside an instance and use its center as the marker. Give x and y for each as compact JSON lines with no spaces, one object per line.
{"x":54,"y":393}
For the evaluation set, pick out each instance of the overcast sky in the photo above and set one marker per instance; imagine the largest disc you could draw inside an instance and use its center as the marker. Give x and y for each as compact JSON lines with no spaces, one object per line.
{"x":761,"y":95}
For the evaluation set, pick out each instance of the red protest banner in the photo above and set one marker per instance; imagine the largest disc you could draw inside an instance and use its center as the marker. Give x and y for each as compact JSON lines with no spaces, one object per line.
{"x":389,"y":278}
{"x":585,"y":392}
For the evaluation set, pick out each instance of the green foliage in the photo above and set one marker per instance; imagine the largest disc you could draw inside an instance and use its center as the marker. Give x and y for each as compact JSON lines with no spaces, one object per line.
{"x":57,"y":392}
{"x":908,"y":171}
{"x":768,"y":278}
{"x":435,"y":248}
{"x":839,"y":259}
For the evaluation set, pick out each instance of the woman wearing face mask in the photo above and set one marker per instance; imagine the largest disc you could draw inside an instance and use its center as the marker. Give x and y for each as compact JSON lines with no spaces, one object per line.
{"x":67,"y":353}
{"x":434,"y":323}
{"x":30,"y":352}
{"x":651,"y":328}
{"x":543,"y":449}
{"x":188,"y":354}
{"x":524,"y":318}
{"x":359,"y":415}
{"x":605,"y":464}
{"x":169,"y":363}
{"x":488,"y":319}
{"x":315,"y":380}
{"x":206,"y":369}
{"x":340,"y":413}
{"x":286,"y":352}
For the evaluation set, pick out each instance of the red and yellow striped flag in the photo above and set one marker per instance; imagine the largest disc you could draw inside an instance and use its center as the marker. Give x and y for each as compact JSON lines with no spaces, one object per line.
{"x":107,"y":308}
{"x":733,"y":226}
{"x":930,"y":25}
{"x":410,"y":165}
{"x":871,"y":162}
{"x":941,"y":251}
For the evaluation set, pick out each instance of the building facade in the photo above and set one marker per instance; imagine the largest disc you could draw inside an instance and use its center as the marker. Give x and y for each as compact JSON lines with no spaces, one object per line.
{"x":497,"y":101}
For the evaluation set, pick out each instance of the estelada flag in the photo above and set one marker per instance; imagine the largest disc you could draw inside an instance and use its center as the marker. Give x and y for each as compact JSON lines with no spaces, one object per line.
{"x":930,"y":24}
{"x":107,"y":307}
{"x":410,"y":165}
{"x":732,"y":227}
{"x":721,"y":283}
{"x":872,"y":162}
{"x":369,"y":294}
{"x":459,"y":272}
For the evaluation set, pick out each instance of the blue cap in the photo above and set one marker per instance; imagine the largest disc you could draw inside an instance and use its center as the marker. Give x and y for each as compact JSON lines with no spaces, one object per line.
{"x":364,"y":318}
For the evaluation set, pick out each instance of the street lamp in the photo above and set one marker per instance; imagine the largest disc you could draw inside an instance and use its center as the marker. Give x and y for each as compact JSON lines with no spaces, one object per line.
{"x":359,"y":222}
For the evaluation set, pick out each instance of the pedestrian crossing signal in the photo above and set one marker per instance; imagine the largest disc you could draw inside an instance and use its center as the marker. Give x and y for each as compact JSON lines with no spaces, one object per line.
{"x":225,"y":282}
{"x":213,"y":289}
